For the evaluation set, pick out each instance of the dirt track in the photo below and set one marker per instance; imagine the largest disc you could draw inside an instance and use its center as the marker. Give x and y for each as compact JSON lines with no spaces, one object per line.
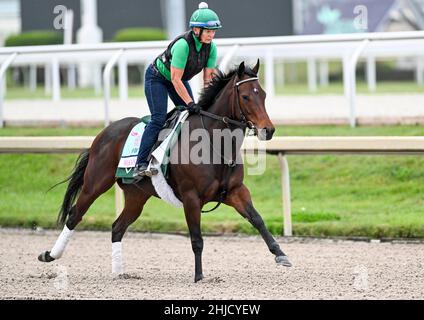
{"x":162,"y":267}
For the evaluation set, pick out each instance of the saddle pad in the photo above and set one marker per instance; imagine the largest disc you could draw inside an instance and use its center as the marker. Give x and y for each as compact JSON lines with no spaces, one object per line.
{"x":160,"y":156}
{"x":130,"y":151}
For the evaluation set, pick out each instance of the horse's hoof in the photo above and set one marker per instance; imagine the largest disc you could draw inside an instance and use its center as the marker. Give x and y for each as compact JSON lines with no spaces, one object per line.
{"x":118,"y":275}
{"x":283,"y":261}
{"x":198,"y":277}
{"x":45,"y":257}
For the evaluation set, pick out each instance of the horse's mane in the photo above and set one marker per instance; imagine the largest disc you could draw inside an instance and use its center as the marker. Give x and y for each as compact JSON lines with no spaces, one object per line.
{"x":218,"y":82}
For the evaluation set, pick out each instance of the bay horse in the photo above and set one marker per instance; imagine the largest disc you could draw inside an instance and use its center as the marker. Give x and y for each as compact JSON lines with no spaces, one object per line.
{"x":233,"y":100}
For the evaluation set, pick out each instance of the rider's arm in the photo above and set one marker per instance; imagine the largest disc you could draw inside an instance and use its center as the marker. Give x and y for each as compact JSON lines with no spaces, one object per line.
{"x":207,"y":75}
{"x":211,"y":65}
{"x":179,"y":52}
{"x":176,"y":75}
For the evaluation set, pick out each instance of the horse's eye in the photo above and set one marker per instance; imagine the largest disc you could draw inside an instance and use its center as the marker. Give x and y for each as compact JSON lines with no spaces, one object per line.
{"x":246,"y":98}
{"x":256,"y":91}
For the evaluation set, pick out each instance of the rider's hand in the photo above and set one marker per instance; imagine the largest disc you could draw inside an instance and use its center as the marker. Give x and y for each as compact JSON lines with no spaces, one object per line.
{"x":193,"y":107}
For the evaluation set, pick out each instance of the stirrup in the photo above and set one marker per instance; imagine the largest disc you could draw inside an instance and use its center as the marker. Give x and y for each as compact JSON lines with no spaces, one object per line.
{"x":140,"y":172}
{"x":151,"y":172}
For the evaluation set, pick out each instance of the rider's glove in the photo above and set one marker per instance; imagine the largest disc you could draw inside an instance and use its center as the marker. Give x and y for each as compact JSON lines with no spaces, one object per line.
{"x":193,"y":107}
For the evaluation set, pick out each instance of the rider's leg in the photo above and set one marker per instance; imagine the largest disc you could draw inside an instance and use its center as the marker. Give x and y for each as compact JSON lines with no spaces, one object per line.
{"x":157,"y":98}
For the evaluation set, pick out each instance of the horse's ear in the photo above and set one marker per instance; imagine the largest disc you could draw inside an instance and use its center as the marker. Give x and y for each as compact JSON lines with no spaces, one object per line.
{"x":256,"y":68}
{"x":240,"y":71}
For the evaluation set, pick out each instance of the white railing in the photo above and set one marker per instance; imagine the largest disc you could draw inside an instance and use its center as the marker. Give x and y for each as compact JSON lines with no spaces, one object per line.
{"x":281,"y":146}
{"x":348,"y":48}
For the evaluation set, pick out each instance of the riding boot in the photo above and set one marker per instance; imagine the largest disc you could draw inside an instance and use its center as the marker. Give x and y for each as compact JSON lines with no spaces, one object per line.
{"x":140,"y":171}
{"x":151,"y":172}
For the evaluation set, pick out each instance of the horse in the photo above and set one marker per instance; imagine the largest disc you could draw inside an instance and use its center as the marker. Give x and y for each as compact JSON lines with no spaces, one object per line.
{"x":231,"y":101}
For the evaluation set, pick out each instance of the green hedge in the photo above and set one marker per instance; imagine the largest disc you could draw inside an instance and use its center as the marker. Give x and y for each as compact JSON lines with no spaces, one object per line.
{"x":139,"y":34}
{"x":34,"y":38}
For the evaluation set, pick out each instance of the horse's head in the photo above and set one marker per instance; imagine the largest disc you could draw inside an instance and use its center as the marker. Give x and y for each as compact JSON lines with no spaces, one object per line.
{"x":251,"y":101}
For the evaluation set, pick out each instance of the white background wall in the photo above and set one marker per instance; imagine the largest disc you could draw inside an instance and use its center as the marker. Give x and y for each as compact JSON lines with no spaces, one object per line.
{"x":10,"y":21}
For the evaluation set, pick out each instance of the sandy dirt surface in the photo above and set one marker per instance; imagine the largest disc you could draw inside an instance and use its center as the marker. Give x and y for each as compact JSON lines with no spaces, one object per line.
{"x":235,"y":267}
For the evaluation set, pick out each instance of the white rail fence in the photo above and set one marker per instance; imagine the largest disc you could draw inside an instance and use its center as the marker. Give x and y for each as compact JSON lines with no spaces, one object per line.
{"x":280,"y":146}
{"x":348,"y":48}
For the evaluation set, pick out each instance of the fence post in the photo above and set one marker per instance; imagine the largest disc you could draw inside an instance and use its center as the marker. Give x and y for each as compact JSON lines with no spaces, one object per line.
{"x":323,"y":73}
{"x":269,"y":72}
{"x":279,"y":70}
{"x":32,"y":80}
{"x":371,"y":73}
{"x":106,"y":84}
{"x":352,"y":80}
{"x":419,"y":71}
{"x":345,"y":62}
{"x":72,"y":77}
{"x":3,"y":69}
{"x":55,"y":79}
{"x":312,"y":74}
{"x":47,"y":79}
{"x":123,"y":78}
{"x":285,"y":185}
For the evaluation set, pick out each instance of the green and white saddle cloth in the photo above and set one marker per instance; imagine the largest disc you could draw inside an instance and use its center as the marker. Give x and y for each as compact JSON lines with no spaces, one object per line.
{"x":159,"y":158}
{"x":129,"y":153}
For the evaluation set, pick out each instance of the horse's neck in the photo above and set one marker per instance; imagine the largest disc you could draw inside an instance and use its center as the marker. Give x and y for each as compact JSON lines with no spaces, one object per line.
{"x":224,"y":106}
{"x":224,"y":103}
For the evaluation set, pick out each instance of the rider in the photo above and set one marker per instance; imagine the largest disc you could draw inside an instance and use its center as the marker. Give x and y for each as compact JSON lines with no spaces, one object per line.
{"x":170,"y":72}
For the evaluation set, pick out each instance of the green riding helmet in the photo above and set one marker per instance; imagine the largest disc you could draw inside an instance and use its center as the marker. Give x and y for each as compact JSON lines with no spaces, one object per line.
{"x":205,"y":18}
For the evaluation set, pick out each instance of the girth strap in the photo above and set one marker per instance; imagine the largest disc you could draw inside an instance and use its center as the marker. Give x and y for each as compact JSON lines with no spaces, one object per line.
{"x":222,"y":197}
{"x":224,"y":189}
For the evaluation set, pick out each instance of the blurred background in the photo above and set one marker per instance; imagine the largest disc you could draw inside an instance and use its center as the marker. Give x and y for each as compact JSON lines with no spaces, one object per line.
{"x":294,"y":70}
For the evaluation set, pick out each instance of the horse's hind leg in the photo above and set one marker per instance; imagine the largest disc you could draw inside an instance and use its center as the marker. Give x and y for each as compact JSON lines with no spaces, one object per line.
{"x":93,"y":186}
{"x":240,"y":199}
{"x":134,"y":203}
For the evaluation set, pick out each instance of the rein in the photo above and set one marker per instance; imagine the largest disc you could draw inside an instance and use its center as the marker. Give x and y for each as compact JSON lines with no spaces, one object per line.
{"x":230,"y":164}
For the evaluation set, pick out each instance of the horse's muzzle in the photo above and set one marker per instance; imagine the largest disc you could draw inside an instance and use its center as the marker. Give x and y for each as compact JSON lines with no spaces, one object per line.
{"x":269,"y":133}
{"x":265,"y":133}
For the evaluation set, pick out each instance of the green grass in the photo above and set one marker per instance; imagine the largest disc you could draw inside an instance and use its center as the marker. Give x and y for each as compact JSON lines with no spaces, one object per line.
{"x":332,"y":195}
{"x":386,"y":87}
{"x":416,"y":130}
{"x":33,"y":131}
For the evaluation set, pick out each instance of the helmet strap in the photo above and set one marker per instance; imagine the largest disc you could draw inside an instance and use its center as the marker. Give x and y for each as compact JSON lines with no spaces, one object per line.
{"x":200,"y":34}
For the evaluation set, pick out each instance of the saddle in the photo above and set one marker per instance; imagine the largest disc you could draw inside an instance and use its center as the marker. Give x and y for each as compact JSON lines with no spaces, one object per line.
{"x":131,"y":147}
{"x":171,"y":121}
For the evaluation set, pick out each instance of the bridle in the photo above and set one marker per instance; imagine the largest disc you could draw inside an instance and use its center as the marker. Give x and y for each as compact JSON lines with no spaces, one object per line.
{"x":243,"y":123}
{"x":248,"y":123}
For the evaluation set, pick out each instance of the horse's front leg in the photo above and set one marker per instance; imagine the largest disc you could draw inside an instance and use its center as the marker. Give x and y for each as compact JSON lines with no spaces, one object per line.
{"x":239,"y":198}
{"x":192,"y":213}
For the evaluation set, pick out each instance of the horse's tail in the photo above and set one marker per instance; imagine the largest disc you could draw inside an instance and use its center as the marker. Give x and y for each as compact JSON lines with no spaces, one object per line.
{"x":76,"y":180}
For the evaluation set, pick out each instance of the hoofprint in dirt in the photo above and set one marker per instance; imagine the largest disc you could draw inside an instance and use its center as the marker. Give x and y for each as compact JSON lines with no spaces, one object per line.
{"x":159,"y":266}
